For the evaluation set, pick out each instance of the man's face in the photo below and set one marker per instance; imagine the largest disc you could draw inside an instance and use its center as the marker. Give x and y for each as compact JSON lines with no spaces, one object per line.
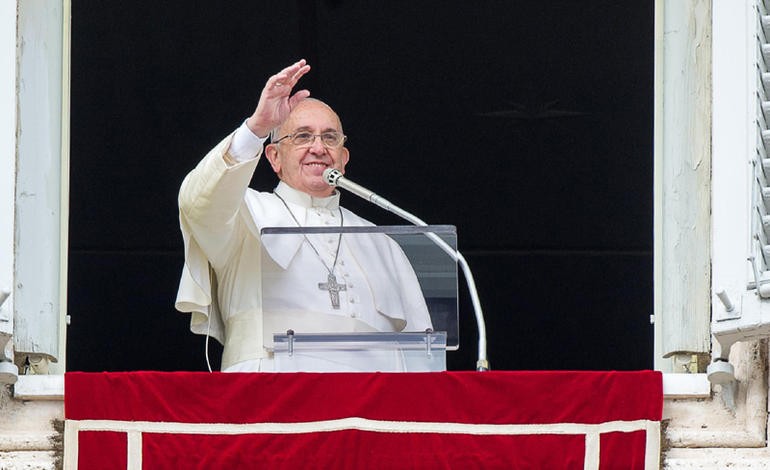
{"x":302,"y":167}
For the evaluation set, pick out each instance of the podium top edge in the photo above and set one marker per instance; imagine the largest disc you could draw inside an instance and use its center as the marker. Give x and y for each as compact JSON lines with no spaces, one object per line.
{"x":360,"y":335}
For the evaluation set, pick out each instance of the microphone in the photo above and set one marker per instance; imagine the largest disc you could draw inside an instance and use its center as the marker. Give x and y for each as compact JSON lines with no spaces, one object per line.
{"x":335,"y":178}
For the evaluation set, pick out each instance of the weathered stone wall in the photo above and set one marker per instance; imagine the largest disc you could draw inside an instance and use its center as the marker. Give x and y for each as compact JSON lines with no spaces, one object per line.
{"x":31,"y":433}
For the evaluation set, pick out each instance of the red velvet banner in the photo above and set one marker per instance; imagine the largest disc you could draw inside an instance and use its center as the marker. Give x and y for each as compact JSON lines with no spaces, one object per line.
{"x":359,"y":420}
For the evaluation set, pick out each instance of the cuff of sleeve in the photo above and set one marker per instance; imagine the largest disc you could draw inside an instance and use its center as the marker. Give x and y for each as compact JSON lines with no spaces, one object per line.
{"x":244,"y":146}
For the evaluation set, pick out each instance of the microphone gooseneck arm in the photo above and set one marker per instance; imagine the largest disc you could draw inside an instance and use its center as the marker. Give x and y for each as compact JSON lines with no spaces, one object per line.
{"x":335,"y":178}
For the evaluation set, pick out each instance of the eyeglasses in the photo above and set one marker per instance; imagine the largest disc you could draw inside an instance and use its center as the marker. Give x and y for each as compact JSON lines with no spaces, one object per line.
{"x":328,"y":139}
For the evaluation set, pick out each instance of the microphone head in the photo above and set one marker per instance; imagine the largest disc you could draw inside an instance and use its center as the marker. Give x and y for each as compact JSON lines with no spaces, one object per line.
{"x":331,"y":175}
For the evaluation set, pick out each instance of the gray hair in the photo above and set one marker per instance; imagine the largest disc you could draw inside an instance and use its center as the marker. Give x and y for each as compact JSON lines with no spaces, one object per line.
{"x":274,"y":134}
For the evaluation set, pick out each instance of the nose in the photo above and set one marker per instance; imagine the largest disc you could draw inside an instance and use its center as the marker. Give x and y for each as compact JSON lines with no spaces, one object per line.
{"x":317,"y":146}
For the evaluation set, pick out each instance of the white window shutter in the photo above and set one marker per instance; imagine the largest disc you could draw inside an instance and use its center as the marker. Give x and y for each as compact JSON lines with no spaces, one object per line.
{"x":682,"y":182}
{"x":8,"y":371}
{"x":741,"y":178}
{"x":759,"y":251}
{"x":39,"y":250}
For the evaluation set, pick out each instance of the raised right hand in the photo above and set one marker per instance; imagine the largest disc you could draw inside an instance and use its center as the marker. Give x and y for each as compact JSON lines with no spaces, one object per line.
{"x":276,"y":100}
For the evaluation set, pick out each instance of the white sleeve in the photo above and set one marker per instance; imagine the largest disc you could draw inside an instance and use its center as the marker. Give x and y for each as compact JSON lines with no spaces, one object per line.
{"x":245,"y":145}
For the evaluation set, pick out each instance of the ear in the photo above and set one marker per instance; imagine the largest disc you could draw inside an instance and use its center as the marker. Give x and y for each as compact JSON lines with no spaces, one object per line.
{"x":271,"y":152}
{"x":344,"y":157}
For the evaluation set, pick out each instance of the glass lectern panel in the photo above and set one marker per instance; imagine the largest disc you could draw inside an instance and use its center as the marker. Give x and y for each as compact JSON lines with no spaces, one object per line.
{"x":360,"y":352}
{"x":360,"y":280}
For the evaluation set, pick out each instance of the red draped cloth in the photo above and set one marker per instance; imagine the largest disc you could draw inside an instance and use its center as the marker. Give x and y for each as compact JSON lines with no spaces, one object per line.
{"x":464,"y":420}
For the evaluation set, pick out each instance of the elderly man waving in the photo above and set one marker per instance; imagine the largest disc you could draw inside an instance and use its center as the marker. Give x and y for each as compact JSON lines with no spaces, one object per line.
{"x":242,"y":287}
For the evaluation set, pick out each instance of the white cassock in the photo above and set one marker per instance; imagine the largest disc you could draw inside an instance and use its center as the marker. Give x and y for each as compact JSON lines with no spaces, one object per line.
{"x":242,"y":288}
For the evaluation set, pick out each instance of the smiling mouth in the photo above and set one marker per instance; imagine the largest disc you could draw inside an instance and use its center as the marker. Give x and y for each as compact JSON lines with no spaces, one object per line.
{"x":317,"y":165}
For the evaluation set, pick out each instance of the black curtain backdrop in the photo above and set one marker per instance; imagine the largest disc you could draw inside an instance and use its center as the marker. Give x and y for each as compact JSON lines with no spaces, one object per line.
{"x":527,"y":124}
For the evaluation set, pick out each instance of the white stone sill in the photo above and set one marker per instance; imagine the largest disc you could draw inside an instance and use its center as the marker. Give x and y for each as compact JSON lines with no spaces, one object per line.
{"x":39,"y":387}
{"x":686,"y":386}
{"x":715,"y":458}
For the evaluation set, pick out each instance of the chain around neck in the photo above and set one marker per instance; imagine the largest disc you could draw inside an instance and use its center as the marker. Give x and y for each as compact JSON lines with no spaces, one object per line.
{"x":339,"y":238}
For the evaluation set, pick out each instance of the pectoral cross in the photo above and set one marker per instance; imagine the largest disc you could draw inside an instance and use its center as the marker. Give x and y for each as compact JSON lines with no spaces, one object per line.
{"x":334,"y":289}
